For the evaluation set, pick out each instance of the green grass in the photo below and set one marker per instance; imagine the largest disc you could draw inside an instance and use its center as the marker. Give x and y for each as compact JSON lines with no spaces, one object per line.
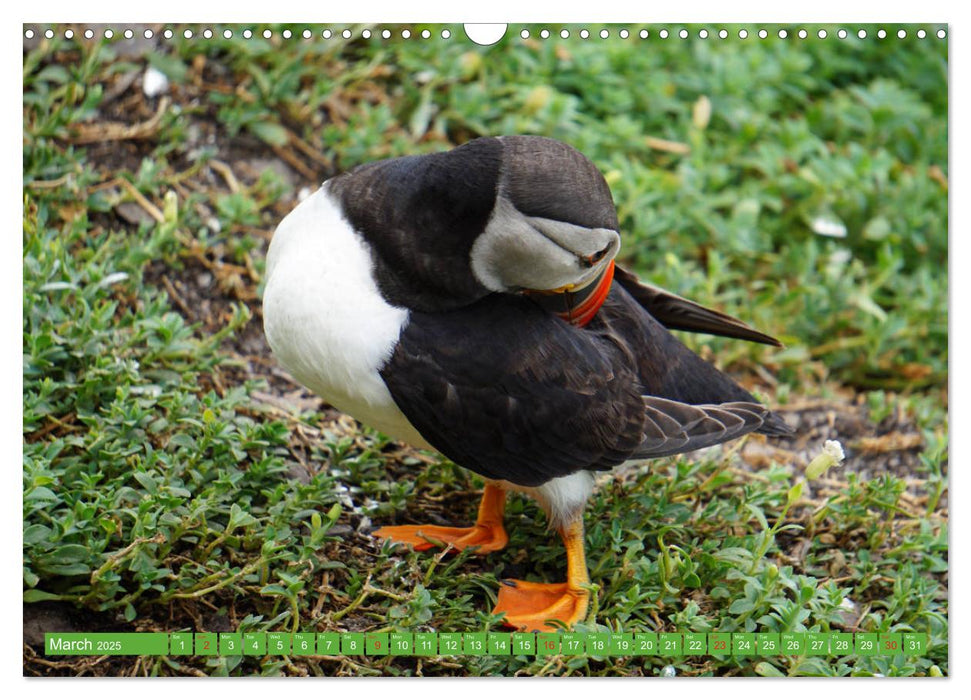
{"x":164,"y":491}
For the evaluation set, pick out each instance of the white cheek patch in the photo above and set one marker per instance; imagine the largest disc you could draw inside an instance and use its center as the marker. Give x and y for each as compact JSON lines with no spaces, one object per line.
{"x":520,"y":252}
{"x":512,"y":254}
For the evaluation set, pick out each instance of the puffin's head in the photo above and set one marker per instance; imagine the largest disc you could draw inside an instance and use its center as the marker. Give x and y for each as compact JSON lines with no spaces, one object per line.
{"x":553,"y":230}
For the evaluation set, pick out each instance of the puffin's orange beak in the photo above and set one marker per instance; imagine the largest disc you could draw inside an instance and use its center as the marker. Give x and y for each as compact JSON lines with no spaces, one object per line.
{"x":577,"y":305}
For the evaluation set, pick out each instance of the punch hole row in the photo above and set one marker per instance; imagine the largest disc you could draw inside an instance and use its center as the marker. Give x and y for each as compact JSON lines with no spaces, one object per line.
{"x":386,"y":34}
{"x":725,"y":34}
{"x":207,"y":33}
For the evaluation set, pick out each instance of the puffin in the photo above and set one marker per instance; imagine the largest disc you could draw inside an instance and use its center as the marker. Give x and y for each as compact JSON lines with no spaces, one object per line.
{"x":469,"y":302}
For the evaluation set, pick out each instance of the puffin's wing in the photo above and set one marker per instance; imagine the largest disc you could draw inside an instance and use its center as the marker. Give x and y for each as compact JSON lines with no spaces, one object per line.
{"x":511,"y":392}
{"x":672,"y":427}
{"x":680,"y":314}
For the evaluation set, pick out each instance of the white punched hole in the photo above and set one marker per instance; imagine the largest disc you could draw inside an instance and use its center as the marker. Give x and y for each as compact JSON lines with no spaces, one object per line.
{"x":486,"y":34}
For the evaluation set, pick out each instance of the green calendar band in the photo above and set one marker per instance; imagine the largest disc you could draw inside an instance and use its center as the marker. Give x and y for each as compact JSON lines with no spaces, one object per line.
{"x":670,"y":645}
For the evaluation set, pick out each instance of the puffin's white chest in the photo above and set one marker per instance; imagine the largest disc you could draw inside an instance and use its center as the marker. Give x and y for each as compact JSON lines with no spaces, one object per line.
{"x":325,"y":318}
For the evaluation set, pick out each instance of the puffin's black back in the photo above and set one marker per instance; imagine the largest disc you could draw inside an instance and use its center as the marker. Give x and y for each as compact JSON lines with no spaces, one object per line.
{"x":421,"y":216}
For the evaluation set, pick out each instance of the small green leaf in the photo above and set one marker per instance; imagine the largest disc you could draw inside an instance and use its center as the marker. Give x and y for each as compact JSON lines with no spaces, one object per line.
{"x":36,"y":533}
{"x":41,"y":493}
{"x":170,"y":64}
{"x":795,"y":492}
{"x":767,"y":670}
{"x":271,"y":133}
{"x":876,"y":229}
{"x":35,"y":595}
{"x":742,"y":605}
{"x":274,"y":589}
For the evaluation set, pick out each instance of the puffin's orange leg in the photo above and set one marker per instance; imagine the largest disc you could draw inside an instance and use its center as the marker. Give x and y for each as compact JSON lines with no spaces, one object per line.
{"x":529,"y":606}
{"x":488,"y":534}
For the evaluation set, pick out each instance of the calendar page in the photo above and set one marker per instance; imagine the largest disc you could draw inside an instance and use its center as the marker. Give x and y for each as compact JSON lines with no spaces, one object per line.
{"x":587,"y":350}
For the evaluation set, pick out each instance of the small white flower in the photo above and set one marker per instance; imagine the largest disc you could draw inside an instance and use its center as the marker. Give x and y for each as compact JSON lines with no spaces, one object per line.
{"x":828,"y":227}
{"x":831,"y":456}
{"x":835,"y":450}
{"x":669,"y":671}
{"x":155,"y":82}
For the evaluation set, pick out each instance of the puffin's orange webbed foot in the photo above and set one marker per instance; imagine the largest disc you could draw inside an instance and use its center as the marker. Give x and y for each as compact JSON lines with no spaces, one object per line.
{"x":486,"y":537}
{"x":530,"y":606}
{"x":488,"y":534}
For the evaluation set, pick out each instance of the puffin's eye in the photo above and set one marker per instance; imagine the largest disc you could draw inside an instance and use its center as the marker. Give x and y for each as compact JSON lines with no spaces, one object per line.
{"x":592,"y":260}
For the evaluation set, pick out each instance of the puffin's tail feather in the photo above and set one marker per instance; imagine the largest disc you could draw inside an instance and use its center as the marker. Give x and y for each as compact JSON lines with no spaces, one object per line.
{"x":680,"y":314}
